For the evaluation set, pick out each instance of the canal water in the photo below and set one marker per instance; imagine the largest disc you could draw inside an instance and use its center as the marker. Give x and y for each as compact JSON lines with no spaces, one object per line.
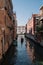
{"x":25,"y":53}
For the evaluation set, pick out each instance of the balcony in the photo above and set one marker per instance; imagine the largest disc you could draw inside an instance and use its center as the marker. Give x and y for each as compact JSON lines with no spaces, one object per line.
{"x":10,"y":14}
{"x":39,"y":28}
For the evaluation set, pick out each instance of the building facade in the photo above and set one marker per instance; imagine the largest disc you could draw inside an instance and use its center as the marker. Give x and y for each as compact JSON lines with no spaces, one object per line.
{"x":30,"y":26}
{"x":20,"y":29}
{"x":15,"y":26}
{"x":35,"y":25}
{"x":6,"y":26}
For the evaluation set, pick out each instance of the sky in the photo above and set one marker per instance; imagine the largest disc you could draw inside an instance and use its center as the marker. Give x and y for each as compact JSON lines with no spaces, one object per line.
{"x":25,"y":8}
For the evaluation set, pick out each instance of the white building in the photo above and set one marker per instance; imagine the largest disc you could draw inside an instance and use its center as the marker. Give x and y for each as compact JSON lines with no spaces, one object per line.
{"x":20,"y":29}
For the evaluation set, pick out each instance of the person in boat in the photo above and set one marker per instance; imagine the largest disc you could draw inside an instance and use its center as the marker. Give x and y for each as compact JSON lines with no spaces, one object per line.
{"x":21,"y":39}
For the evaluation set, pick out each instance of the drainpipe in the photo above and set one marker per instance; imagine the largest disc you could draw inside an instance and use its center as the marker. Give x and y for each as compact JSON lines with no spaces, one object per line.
{"x":3,"y":43}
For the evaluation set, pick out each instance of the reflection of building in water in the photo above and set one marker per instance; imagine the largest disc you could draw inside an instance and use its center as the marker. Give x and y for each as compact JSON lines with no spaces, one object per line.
{"x":30,"y":51}
{"x":35,"y":52}
{"x":20,"y":29}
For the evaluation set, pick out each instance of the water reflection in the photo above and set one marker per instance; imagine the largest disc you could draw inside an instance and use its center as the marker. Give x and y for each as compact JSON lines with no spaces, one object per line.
{"x":10,"y":59}
{"x":25,"y":53}
{"x":35,"y":52}
{"x":14,"y":57}
{"x":30,"y":51}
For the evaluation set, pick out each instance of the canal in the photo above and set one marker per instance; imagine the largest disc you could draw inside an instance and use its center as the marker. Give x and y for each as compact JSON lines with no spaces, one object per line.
{"x":25,"y":53}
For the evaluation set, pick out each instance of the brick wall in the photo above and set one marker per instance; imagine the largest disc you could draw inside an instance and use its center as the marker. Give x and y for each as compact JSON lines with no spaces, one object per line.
{"x":6,"y":23}
{"x":15,"y":26}
{"x":30,"y":26}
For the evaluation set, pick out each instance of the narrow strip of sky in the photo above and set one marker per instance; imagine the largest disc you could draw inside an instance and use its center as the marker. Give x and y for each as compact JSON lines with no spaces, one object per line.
{"x":25,"y":8}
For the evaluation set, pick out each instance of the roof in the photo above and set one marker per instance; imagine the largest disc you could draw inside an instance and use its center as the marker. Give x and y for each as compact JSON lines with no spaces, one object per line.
{"x":41,"y":7}
{"x":34,"y":15}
